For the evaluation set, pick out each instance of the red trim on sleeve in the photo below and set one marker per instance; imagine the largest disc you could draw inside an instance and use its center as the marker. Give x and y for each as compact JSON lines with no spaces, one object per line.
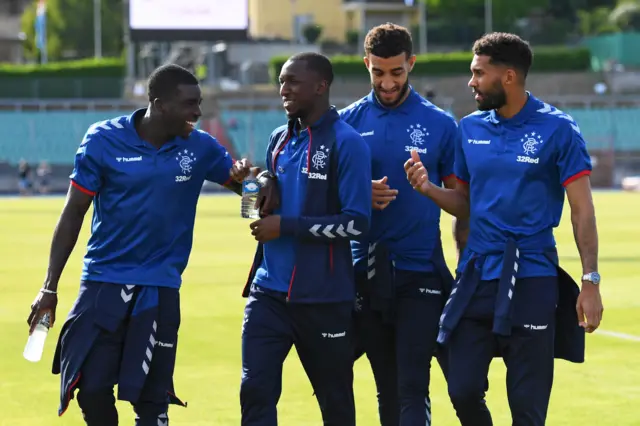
{"x":576,"y":177}
{"x":228,"y":181}
{"x":452,"y":175}
{"x":462,"y":181}
{"x":82,"y":189}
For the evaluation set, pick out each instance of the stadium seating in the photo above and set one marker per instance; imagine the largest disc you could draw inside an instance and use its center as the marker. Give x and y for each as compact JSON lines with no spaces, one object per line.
{"x":614,"y":128}
{"x":55,"y":135}
{"x":249,"y":130}
{"x":52,"y":136}
{"x":602,"y":128}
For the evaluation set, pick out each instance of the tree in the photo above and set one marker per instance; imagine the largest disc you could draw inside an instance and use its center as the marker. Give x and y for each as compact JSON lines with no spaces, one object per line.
{"x":627,"y":14}
{"x":312,"y":32}
{"x":596,"y":22}
{"x":70,"y":30}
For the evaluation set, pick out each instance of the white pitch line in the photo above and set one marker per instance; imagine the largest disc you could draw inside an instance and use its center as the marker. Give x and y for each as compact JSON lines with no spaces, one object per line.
{"x":617,"y":335}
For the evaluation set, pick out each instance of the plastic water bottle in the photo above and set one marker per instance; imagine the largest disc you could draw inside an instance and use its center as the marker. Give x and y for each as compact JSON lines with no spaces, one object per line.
{"x":250,"y":190}
{"x":35,"y":345}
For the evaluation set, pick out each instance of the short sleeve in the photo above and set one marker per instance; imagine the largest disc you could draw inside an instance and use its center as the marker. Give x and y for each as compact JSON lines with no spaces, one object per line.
{"x":220,"y":162}
{"x":573,"y":160}
{"x":447,"y":151}
{"x":87,"y":165}
{"x":460,"y":162}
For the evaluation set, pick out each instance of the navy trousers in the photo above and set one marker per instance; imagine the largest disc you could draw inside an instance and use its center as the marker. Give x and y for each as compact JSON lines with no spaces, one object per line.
{"x":100,"y":371}
{"x":400,"y":353}
{"x":527,"y":353}
{"x":321,"y":334}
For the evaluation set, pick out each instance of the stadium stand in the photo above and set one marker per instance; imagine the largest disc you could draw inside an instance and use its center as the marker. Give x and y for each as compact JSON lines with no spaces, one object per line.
{"x":53,"y":136}
{"x":603,"y":129}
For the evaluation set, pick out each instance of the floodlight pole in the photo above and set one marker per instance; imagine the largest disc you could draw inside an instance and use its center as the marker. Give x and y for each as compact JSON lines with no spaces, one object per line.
{"x":97,"y":29}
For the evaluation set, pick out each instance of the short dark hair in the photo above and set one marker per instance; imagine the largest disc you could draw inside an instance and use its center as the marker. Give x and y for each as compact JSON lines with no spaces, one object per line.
{"x":505,"y":49}
{"x":317,"y":63}
{"x":164,"y":81}
{"x":388,"y":40}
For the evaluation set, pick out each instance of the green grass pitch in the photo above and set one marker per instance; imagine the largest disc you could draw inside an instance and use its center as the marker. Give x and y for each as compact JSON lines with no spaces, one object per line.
{"x":603,"y":391}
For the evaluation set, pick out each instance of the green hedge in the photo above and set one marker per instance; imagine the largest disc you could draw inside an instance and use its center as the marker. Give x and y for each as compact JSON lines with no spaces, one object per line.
{"x":102,"y":68}
{"x":82,"y":79}
{"x":546,"y":59}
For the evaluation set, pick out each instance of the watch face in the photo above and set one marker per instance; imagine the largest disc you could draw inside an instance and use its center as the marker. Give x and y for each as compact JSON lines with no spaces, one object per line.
{"x":594,"y":277}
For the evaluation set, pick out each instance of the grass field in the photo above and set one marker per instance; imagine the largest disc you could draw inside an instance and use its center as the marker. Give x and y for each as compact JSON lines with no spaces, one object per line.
{"x":607,"y":386}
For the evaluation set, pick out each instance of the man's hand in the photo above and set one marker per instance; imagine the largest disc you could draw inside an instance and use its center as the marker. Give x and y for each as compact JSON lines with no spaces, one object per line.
{"x":417,"y":174}
{"x":382,"y":194}
{"x":266,"y":229}
{"x":241,"y":170}
{"x":43,"y":303}
{"x":590,"y":306}
{"x":268,"y":198}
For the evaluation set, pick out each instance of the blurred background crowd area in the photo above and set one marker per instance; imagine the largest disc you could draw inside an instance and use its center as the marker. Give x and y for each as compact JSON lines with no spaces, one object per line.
{"x":65,"y":64}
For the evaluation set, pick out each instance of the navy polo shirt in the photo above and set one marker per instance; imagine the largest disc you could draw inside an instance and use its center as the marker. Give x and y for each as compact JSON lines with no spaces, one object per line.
{"x":516,"y":170}
{"x":144,"y":200}
{"x":410,"y":225}
{"x":354,"y":189}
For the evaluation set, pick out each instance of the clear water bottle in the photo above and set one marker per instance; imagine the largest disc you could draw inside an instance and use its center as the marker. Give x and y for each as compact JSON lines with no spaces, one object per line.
{"x":250,"y":190}
{"x":35,"y":345}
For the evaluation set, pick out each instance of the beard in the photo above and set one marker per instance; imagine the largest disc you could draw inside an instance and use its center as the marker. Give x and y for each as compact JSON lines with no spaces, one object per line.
{"x":495,"y":99}
{"x":403,"y":91}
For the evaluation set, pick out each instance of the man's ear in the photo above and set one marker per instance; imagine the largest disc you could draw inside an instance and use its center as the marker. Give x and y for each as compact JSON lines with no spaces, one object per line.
{"x":322,"y":87}
{"x":412,"y":62}
{"x":157,"y":104}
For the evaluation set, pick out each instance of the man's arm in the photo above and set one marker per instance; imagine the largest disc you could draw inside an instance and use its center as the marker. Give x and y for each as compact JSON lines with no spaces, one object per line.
{"x":86,"y":181}
{"x":354,"y":187}
{"x":574,"y":168}
{"x":65,"y":234}
{"x":447,"y":170}
{"x":223,"y":170}
{"x":454,"y":201}
{"x":460,"y":226}
{"x":234,"y":186}
{"x":583,"y":219}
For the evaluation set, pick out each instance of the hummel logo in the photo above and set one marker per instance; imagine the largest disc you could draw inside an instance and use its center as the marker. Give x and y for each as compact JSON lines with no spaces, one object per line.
{"x":334,"y":336}
{"x":536,"y":327}
{"x":128,"y":159}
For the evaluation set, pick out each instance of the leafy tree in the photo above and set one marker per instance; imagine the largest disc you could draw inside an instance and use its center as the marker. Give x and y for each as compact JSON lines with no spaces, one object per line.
{"x":70,"y":30}
{"x":627,"y":14}
{"x":596,"y":22}
{"x":312,"y":32}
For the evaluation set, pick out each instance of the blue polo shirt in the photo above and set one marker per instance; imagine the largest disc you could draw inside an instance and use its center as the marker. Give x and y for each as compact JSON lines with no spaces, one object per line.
{"x":516,"y":170}
{"x":410,"y":225}
{"x":144,"y":200}
{"x":354,"y":188}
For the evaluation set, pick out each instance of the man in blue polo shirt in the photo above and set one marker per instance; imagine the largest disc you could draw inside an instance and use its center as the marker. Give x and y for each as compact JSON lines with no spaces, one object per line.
{"x":301,"y":287}
{"x":515,"y":158}
{"x":144,"y":174}
{"x":401,"y":275}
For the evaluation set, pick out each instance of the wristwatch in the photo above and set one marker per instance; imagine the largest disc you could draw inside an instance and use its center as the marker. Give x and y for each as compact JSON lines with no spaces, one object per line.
{"x":592,"y":277}
{"x":266,"y":174}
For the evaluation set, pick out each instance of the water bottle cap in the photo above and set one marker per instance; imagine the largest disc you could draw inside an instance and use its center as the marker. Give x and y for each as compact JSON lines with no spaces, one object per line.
{"x":45,"y":320}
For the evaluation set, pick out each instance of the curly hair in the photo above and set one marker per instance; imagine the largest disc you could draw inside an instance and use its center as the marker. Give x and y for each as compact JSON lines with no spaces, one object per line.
{"x":388,"y":40}
{"x":505,"y":49}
